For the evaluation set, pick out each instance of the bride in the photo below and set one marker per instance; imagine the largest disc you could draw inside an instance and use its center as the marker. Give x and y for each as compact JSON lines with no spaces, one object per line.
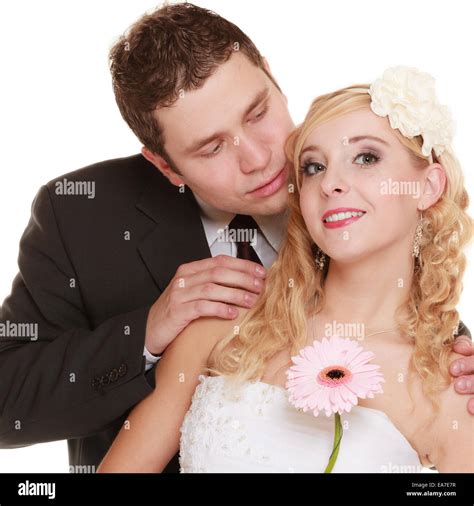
{"x":377,"y":198}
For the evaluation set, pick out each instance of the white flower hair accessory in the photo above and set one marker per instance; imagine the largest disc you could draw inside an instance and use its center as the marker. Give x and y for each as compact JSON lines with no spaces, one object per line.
{"x":407,"y":96}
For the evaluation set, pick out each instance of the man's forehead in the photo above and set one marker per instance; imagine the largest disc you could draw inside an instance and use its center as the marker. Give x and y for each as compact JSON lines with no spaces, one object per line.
{"x":233,"y":81}
{"x":199,"y":113}
{"x":210,"y":132}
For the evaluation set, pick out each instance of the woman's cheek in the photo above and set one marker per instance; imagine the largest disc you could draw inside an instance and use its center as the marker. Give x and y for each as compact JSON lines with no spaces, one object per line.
{"x":309,"y":209}
{"x":304,"y":202}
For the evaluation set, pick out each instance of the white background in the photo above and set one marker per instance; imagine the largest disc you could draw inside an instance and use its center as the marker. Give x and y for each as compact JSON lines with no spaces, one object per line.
{"x":58,"y":111}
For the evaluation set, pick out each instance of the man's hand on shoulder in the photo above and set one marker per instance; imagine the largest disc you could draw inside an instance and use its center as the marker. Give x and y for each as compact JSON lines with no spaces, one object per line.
{"x":213,"y":287}
{"x":463,"y":369}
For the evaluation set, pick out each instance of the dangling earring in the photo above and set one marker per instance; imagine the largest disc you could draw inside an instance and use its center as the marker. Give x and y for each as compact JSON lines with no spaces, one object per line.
{"x":320,"y":259}
{"x":418,"y":235}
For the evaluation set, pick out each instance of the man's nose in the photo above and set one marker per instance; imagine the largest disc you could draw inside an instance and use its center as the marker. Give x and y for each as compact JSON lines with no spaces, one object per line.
{"x":254,"y":154}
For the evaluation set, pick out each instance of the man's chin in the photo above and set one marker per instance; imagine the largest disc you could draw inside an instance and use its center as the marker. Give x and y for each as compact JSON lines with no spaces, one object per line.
{"x":276,"y":204}
{"x":264,"y":206}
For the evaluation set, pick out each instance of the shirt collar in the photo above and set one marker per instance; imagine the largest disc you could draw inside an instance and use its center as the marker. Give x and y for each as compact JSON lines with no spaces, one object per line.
{"x":213,"y":220}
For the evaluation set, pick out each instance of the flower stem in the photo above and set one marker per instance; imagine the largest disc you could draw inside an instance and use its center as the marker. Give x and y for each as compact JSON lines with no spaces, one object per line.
{"x":336,"y":444}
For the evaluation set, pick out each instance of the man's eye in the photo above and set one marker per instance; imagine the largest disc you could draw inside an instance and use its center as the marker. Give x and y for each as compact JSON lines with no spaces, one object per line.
{"x":261,"y":114}
{"x":311,"y":168}
{"x":366,"y":159}
{"x":215,"y":151}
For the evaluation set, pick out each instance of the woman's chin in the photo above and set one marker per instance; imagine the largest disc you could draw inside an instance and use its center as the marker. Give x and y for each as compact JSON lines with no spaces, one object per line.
{"x":348,"y":258}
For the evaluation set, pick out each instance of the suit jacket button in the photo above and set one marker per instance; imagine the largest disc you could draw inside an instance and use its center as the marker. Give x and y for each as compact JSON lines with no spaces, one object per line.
{"x":96,"y":384}
{"x":122,"y":370}
{"x":113,"y":375}
{"x":105,"y":379}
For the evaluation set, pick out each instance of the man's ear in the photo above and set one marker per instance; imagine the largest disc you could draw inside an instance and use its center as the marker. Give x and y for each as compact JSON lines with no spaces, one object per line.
{"x":434,"y":184}
{"x":162,"y":165}
{"x":266,"y":65}
{"x":267,"y":68}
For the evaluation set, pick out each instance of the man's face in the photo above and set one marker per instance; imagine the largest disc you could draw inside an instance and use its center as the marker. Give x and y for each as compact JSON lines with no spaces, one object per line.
{"x":227,"y":140}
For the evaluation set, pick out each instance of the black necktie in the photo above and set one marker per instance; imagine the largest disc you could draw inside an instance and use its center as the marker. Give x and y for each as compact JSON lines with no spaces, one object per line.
{"x":245,"y":227}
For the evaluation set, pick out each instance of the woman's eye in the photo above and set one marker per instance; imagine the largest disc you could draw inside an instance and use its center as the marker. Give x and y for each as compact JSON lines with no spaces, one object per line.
{"x":311,"y":168}
{"x":366,"y":159}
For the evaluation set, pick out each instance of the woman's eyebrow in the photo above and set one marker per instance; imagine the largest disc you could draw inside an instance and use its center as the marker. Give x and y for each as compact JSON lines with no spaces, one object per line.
{"x":364,"y":137}
{"x":352,"y":140}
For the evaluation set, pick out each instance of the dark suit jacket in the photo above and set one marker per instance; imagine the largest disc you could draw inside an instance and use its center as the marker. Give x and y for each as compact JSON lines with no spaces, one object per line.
{"x":89,"y":271}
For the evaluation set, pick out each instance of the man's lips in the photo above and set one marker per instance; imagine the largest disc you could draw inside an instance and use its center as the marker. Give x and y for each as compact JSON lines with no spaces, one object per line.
{"x":272,"y":185}
{"x":342,"y":216}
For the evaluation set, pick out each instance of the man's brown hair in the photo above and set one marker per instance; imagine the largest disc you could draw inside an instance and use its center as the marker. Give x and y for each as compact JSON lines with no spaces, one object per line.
{"x":173,"y":49}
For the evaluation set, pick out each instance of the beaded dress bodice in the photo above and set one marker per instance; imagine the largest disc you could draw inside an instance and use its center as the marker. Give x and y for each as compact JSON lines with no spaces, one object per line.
{"x":256,"y":429}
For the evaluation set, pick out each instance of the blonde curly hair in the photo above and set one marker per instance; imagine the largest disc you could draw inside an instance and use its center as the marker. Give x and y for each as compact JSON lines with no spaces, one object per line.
{"x":294,"y":286}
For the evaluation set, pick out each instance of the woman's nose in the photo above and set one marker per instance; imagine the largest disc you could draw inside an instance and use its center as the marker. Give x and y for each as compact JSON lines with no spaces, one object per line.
{"x":334,"y":182}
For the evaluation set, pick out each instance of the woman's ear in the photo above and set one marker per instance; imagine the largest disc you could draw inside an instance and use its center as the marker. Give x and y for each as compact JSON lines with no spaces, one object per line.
{"x":434,"y":183}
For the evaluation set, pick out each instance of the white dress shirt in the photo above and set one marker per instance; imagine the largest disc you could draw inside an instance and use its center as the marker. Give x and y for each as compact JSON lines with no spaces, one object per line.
{"x":214,"y":221}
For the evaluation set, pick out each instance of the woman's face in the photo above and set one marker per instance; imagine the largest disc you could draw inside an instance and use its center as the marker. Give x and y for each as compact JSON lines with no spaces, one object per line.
{"x":360,"y":188}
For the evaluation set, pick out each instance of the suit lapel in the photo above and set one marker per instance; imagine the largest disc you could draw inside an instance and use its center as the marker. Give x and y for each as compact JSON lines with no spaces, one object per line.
{"x":178,"y":236}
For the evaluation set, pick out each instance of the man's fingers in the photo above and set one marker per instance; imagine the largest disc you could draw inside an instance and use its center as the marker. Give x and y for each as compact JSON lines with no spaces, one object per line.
{"x":226,"y":261}
{"x":198,"y":308}
{"x":225,"y":277}
{"x":462,"y":366}
{"x":470,"y":406}
{"x":464,"y":385}
{"x":464,"y":346}
{"x":218,"y":293}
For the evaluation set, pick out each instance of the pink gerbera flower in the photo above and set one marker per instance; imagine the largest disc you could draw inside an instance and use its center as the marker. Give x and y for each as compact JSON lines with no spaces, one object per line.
{"x":330,"y":376}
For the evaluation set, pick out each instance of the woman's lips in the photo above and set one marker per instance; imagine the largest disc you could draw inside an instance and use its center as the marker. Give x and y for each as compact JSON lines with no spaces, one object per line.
{"x":272,"y":187}
{"x":342,"y":217}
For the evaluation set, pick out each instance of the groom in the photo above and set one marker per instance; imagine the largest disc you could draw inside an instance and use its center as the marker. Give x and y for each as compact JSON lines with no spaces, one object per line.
{"x":109,"y":277}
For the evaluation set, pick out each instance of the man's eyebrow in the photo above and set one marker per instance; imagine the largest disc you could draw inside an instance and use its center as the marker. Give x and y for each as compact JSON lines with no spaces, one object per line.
{"x":352,"y":140}
{"x":260,"y":97}
{"x":197,"y":145}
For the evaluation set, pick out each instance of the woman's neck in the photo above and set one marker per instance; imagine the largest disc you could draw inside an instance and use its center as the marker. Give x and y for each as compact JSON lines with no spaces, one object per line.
{"x":368,"y":291}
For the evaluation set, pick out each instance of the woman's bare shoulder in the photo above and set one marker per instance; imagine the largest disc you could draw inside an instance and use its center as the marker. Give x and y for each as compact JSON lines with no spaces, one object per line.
{"x":221,"y":333}
{"x":202,"y":334}
{"x":453,"y":432}
{"x":447,"y":435}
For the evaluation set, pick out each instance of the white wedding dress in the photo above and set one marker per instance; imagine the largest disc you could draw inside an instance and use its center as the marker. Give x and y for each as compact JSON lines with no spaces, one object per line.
{"x":257,"y":430}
